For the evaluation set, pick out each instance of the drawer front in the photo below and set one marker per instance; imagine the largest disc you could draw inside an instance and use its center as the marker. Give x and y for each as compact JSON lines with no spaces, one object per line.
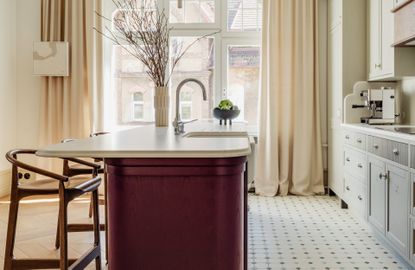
{"x":355,"y":139}
{"x":348,"y":137}
{"x":377,"y":146}
{"x":348,"y":188}
{"x":355,"y":163}
{"x":355,"y":195}
{"x":359,"y":141}
{"x":413,"y":156}
{"x":397,"y":152}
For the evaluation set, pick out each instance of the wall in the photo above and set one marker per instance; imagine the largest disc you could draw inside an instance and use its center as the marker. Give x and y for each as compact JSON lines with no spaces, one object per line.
{"x":28,"y":86}
{"x":7,"y":88}
{"x":408,"y":100}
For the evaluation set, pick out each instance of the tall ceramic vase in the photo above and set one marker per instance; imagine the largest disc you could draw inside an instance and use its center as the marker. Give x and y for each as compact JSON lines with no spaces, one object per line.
{"x":161,"y":106}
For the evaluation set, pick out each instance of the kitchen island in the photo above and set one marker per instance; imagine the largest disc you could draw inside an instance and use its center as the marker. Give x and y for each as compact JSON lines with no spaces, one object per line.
{"x":174,"y":201}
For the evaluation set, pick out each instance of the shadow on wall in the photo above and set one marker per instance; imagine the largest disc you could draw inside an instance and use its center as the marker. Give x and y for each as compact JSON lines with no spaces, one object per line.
{"x":408,"y":100}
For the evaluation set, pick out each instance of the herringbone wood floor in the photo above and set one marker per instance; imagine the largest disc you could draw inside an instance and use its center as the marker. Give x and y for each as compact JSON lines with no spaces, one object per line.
{"x":37,"y":226}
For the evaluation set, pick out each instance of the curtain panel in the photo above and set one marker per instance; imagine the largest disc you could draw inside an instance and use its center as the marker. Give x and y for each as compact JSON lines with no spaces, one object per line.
{"x":289,"y":147}
{"x":71,"y":106}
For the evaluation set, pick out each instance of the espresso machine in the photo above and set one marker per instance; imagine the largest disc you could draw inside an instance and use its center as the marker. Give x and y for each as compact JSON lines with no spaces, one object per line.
{"x":380,"y":103}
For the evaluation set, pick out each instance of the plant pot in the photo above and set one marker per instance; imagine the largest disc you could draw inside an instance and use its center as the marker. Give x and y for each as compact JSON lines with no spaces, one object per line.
{"x":161,"y":106}
{"x":225,"y":115}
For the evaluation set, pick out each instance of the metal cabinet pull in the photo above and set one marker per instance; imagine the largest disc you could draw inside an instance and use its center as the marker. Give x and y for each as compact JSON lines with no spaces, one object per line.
{"x":360,"y":198}
{"x":359,"y":165}
{"x":359,"y":140}
{"x":347,"y":188}
{"x":376,"y":146}
{"x":383,"y":176}
{"x":395,"y":152}
{"x":347,"y":137}
{"x":348,"y":159}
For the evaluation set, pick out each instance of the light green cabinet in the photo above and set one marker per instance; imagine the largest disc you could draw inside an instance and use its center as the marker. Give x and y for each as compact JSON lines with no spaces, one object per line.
{"x":389,"y":197}
{"x":377,"y":193}
{"x":398,"y":194}
{"x":385,"y":61}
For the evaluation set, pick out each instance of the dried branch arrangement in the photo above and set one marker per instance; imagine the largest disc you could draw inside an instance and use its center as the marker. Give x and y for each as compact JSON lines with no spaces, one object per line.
{"x":143,"y":30}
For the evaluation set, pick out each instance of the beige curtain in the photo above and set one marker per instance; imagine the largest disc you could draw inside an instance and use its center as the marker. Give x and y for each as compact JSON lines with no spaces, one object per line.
{"x":70,"y":105}
{"x":289,"y":149}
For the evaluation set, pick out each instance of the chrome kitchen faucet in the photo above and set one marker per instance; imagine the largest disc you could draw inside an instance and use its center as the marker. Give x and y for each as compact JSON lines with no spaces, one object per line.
{"x":178,"y":124}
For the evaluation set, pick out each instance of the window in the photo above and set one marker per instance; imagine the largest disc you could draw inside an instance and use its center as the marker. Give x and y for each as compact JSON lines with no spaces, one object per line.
{"x":227,"y":63}
{"x":193,"y":11}
{"x":244,"y":15}
{"x":138,"y":106}
{"x":197,"y":63}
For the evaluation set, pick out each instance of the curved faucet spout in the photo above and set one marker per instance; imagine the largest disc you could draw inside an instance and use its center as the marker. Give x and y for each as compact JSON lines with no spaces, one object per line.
{"x":177,"y":123}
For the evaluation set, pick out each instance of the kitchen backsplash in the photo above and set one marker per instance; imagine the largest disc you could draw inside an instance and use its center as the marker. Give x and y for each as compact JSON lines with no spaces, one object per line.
{"x":408,"y":100}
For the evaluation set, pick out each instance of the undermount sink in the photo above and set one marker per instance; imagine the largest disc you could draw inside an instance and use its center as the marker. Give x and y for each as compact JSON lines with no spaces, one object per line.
{"x":210,"y":134}
{"x":407,"y":130}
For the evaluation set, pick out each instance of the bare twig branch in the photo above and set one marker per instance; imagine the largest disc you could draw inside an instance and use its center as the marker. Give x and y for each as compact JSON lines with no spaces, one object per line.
{"x":144,"y":33}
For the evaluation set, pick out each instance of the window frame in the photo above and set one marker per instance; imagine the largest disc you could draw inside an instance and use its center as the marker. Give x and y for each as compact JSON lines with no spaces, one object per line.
{"x":222,"y":39}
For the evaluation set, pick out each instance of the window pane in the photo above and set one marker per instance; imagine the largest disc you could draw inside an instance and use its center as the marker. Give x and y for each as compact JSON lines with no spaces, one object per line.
{"x":193,"y":11}
{"x":131,"y":86}
{"x":244,"y":15}
{"x":243,"y":80}
{"x":186,"y":110}
{"x":197,"y":63}
{"x":138,"y":96}
{"x":138,"y":111}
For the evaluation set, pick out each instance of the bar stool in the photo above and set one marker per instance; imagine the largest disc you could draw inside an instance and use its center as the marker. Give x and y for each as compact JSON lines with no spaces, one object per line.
{"x":68,"y":188}
{"x":77,"y":169}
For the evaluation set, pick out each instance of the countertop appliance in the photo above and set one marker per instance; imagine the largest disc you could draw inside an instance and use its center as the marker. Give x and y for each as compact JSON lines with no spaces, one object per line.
{"x":381,"y":105}
{"x":373,"y":103}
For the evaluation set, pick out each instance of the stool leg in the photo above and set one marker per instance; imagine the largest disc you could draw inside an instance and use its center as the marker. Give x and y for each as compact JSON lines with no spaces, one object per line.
{"x":63,"y":228}
{"x":57,"y":239}
{"x":97,"y":242}
{"x":11,"y":231}
{"x":91,"y":206}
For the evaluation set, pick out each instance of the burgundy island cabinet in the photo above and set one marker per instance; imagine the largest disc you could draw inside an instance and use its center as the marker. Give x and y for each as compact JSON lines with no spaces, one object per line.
{"x":174,"y":201}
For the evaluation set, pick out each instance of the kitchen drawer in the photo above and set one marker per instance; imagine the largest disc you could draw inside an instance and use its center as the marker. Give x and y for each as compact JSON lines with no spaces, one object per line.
{"x":413,"y":156}
{"x":348,"y":188}
{"x":355,"y":139}
{"x":355,"y":195}
{"x":355,"y":163}
{"x":397,"y":152}
{"x":377,"y":146}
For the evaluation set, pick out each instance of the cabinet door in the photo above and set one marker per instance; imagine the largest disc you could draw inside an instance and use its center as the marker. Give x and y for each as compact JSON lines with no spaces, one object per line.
{"x":377,"y":193}
{"x":387,"y":39}
{"x":335,"y":12}
{"x":398,"y":193}
{"x":375,"y":38}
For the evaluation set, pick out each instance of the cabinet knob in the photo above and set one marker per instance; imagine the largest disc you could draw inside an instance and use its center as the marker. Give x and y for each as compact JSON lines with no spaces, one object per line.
{"x":395,"y":152}
{"x":359,"y":165}
{"x":360,"y":198}
{"x":378,"y":65}
{"x":348,"y":188}
{"x":376,"y":146}
{"x":347,"y":137}
{"x":359,"y":140}
{"x":383,"y":176}
{"x":348,"y":159}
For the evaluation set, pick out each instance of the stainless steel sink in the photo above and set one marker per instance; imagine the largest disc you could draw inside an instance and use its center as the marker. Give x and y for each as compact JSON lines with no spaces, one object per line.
{"x":407,"y":130}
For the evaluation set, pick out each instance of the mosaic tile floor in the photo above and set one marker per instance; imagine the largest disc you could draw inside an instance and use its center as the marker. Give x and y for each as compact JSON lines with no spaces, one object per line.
{"x":311,"y":233}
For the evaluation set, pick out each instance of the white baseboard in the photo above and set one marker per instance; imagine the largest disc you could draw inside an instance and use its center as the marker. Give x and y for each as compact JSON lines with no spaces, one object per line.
{"x":5,"y":180}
